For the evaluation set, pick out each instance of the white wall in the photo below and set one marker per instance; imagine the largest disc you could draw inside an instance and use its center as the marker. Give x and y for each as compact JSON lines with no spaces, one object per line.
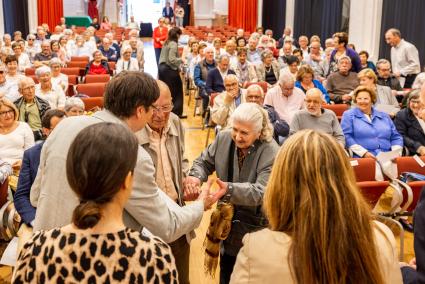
{"x":221,"y":7}
{"x":1,"y":19}
{"x":74,"y":8}
{"x":204,"y":12}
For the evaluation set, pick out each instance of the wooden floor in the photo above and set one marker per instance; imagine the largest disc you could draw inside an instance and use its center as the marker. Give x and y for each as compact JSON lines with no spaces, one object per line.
{"x":195,"y":142}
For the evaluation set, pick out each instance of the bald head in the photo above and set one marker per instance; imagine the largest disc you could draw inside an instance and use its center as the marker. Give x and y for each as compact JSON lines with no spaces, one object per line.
{"x":313,"y":101}
{"x":164,"y":91}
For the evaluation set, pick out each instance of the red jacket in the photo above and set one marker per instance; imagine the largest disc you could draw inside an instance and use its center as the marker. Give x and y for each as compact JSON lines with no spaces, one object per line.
{"x":159,"y":36}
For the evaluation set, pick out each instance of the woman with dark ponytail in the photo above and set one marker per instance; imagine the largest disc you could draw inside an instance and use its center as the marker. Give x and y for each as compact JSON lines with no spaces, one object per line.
{"x":96,"y":246}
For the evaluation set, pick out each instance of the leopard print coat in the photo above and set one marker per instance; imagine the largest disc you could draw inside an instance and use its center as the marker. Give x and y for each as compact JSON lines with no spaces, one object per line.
{"x":127,"y":256}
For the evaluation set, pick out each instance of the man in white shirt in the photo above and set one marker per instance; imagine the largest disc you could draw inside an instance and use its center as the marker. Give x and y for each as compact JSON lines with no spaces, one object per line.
{"x":404,"y":58}
{"x":133,"y":24}
{"x":285,"y":97}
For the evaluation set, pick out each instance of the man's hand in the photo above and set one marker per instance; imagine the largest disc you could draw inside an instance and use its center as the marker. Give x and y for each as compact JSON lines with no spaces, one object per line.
{"x":210,"y":198}
{"x":191,"y":188}
{"x":421,"y":151}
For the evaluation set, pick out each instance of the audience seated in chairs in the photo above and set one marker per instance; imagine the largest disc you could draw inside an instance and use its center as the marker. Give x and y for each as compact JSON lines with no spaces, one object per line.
{"x":369,"y":131}
{"x":285,"y":97}
{"x":255,"y":94}
{"x":341,"y":83}
{"x":411,"y":126}
{"x":31,"y":108}
{"x":48,"y":91}
{"x":226,"y":102}
{"x":15,"y":136}
{"x":30,"y":163}
{"x":98,"y":65}
{"x":317,"y":118}
{"x":311,"y":177}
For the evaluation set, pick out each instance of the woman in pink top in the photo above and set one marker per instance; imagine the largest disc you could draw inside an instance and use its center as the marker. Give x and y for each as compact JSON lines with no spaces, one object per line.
{"x":106,"y":25}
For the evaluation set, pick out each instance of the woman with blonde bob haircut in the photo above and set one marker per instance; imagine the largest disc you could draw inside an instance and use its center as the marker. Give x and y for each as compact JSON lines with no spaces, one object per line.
{"x":321,"y":230}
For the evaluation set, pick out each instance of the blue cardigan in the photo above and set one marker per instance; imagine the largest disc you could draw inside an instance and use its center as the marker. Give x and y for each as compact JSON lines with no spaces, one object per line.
{"x":27,"y":175}
{"x":376,"y":136}
{"x":317,"y":85}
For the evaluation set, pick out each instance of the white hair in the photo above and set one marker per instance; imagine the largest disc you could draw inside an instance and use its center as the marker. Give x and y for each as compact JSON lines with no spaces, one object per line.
{"x":231,"y":77}
{"x":286,"y":77}
{"x":419,"y":81}
{"x":73,"y":102}
{"x":42,"y":70}
{"x":255,"y":87}
{"x":255,"y":115}
{"x":209,"y":48}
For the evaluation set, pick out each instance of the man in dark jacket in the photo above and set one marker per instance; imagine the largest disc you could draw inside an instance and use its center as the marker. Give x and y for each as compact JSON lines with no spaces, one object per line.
{"x":200,"y":75}
{"x":215,"y":83}
{"x":167,"y":12}
{"x":31,"y":108}
{"x":29,"y":168}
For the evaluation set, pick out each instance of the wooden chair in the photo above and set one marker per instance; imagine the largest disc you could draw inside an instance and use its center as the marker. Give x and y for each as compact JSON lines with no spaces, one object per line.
{"x":91,"y":104}
{"x":92,"y":89}
{"x":103,"y":78}
{"x":80,"y":58}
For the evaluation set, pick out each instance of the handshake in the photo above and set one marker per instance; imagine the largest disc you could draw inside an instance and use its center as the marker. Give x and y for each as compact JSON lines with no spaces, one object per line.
{"x":193,"y":191}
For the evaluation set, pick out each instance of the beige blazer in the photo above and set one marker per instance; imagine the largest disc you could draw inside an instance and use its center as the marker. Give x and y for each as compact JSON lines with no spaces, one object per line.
{"x":148,"y":206}
{"x":264,"y":257}
{"x":221,"y":111}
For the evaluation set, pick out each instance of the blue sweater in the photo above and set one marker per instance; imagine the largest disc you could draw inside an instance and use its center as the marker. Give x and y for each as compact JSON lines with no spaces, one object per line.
{"x":317,"y":85}
{"x":375,"y":136}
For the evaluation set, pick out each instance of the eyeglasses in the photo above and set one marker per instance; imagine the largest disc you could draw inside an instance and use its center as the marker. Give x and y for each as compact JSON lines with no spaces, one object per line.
{"x":5,"y":113}
{"x":164,"y":109}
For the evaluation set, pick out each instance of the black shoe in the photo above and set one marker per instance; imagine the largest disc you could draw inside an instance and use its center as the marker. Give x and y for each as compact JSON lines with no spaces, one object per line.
{"x":183,"y":116}
{"x":406,"y":225}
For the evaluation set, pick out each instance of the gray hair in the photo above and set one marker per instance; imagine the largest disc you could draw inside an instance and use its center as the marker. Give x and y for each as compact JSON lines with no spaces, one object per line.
{"x":266,"y":53}
{"x":395,"y":32}
{"x":55,"y":61}
{"x":231,"y":77}
{"x":382,"y":61}
{"x":255,"y":115}
{"x":209,"y":48}
{"x":73,"y":102}
{"x":286,"y":77}
{"x":42,"y":70}
{"x":222,"y":56}
{"x":419,"y":81}
{"x":255,"y":87}
{"x":344,"y":57}
{"x":31,"y":36}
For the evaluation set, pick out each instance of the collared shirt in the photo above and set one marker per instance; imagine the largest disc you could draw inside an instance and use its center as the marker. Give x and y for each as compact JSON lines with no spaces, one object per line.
{"x":254,"y":56}
{"x":29,"y":113}
{"x":10,"y":91}
{"x":286,"y":107}
{"x":164,"y":170}
{"x":55,"y":96}
{"x":405,"y":59}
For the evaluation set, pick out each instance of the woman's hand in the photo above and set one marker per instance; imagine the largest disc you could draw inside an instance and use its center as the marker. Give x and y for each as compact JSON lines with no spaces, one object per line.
{"x":369,"y":155}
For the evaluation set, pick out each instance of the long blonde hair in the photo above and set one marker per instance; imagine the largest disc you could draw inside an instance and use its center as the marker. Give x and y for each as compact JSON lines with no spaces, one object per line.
{"x":312,"y":196}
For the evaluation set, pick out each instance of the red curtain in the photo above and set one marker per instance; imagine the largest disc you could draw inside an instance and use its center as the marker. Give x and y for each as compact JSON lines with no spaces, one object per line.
{"x":50,"y":12}
{"x":243,"y":14}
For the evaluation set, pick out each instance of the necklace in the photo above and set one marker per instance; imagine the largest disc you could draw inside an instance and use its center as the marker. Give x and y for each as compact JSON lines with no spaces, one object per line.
{"x":268,"y":68}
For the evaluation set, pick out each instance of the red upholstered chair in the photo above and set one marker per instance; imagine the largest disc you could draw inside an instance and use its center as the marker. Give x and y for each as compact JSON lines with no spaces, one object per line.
{"x":79,"y":64}
{"x":29,"y":71}
{"x":71,"y":71}
{"x":93,"y":103}
{"x":80,"y":58}
{"x":409,"y":164}
{"x":3,"y":192}
{"x":72,"y":82}
{"x":92,"y":89}
{"x":103,"y":78}
{"x":34,"y":78}
{"x":262,"y":84}
{"x":364,"y":169}
{"x":338,"y":109}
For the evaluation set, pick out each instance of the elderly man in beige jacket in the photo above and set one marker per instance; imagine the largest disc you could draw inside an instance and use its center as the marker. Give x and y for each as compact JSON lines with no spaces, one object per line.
{"x":163,"y":140}
{"x":128,"y":100}
{"x":226,"y":102}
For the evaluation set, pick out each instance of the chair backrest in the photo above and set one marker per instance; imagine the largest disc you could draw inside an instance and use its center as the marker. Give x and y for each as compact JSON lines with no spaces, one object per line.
{"x":92,"y":103}
{"x":111,"y":65}
{"x":92,"y":89}
{"x":409,"y":164}
{"x":262,"y":84}
{"x":338,"y":109}
{"x":364,"y":169}
{"x":29,"y":71}
{"x":80,"y":58}
{"x":103,"y":78}
{"x":3,"y":192}
{"x":34,"y":78}
{"x":79,"y":64}
{"x":212,"y":98}
{"x":71,"y":71}
{"x":72,"y":79}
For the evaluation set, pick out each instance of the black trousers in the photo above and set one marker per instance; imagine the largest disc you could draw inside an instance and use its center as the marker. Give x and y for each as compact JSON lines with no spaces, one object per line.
{"x":174,"y":82}
{"x":409,"y":81}
{"x":157,"y":54}
{"x":227,"y":262}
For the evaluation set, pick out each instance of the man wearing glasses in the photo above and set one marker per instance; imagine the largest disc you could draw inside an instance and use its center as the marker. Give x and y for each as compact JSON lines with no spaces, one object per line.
{"x":163,"y":139}
{"x":226,"y":102}
{"x":31,"y":108}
